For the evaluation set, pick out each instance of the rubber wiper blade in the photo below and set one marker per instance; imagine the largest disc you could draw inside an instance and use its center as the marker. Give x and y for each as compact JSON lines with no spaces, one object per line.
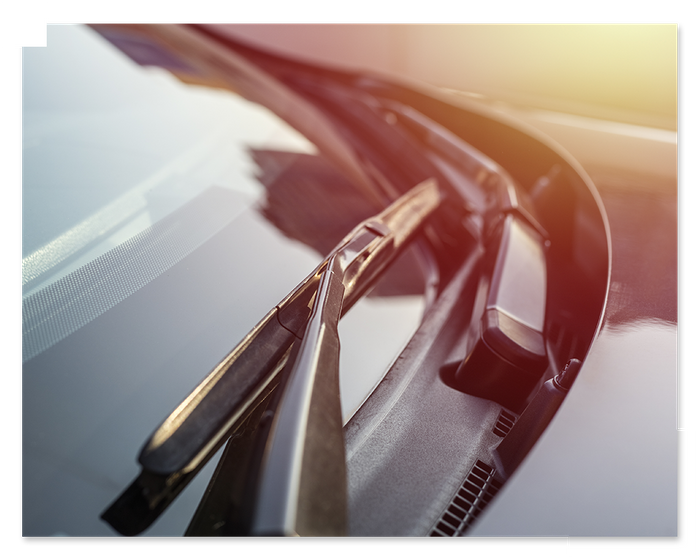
{"x":196,"y":429}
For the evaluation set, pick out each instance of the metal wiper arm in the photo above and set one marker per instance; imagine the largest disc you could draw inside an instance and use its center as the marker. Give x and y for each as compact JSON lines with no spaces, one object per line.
{"x":303,"y":482}
{"x":195,"y":430}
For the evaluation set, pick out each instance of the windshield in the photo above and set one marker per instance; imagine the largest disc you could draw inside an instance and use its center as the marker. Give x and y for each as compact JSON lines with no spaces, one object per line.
{"x":161,"y":221}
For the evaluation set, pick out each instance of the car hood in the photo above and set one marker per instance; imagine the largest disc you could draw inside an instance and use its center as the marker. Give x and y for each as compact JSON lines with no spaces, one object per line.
{"x":608,"y":463}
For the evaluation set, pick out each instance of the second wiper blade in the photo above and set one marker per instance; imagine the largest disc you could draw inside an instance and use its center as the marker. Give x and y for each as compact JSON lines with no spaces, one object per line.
{"x":194,"y":431}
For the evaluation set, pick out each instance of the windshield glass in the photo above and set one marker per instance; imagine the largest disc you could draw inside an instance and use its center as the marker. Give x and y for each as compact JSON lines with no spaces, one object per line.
{"x":110,"y":148}
{"x":161,"y":221}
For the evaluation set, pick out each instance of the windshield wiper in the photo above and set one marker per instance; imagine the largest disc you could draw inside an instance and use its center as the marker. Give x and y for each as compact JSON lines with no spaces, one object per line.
{"x":245,"y":378}
{"x":303,"y":487}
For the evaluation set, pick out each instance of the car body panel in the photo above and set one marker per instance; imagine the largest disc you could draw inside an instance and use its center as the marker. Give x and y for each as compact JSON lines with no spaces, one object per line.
{"x":620,"y":477}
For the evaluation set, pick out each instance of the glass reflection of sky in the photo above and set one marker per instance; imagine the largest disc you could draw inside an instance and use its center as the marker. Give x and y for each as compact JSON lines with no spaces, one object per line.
{"x":105,"y":138}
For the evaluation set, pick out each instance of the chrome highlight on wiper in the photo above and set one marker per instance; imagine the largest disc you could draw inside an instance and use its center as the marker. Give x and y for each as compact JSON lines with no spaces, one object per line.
{"x":179,"y":448}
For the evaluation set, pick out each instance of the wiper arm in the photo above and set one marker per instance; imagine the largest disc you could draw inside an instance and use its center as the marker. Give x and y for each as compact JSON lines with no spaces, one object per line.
{"x":195,"y":430}
{"x":303,"y":482}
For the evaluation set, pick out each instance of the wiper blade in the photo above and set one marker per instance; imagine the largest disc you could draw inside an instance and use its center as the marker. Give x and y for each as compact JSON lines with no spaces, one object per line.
{"x":195,"y":430}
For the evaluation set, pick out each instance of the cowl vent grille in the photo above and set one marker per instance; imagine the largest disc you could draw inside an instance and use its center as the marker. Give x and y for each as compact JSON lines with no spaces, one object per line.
{"x":476,"y":492}
{"x":505,"y":422}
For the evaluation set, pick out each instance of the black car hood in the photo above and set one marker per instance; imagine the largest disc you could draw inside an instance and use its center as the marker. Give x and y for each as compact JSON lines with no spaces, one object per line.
{"x":608,"y":463}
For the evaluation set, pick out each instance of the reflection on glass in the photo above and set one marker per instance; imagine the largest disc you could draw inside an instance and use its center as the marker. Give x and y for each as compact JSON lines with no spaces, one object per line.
{"x":113,"y":151}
